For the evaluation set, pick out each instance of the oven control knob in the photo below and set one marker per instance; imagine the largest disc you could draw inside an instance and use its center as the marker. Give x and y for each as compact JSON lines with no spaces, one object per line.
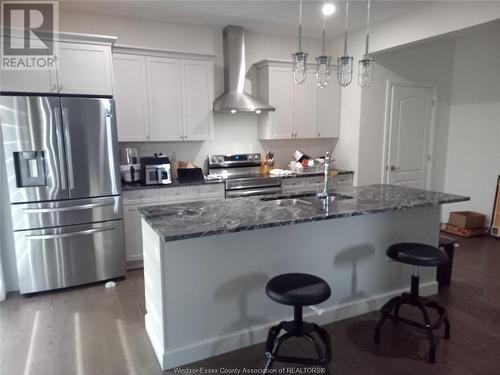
{"x":213,"y":159}
{"x":250,"y":157}
{"x":220,"y":159}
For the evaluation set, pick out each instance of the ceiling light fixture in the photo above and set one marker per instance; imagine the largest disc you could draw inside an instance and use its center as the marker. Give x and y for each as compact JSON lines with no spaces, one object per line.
{"x":323,"y":62}
{"x":366,"y":66}
{"x":344,"y":69}
{"x":300,"y":57}
{"x":328,"y":9}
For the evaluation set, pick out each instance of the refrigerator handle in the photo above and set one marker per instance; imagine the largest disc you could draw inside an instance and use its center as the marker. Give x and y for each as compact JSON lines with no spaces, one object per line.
{"x":67,"y":140}
{"x":68,"y":234}
{"x":60,"y":148}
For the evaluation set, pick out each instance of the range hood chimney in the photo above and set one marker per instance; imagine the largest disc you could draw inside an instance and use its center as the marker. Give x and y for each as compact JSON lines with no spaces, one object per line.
{"x":234,"y":99}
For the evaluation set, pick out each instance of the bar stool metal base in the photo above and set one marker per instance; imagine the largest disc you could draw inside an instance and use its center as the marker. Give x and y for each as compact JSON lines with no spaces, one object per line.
{"x":391,"y":311}
{"x":298,"y":328}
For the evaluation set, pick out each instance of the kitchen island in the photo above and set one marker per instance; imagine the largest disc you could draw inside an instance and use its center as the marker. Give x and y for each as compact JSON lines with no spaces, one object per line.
{"x":206,"y":263}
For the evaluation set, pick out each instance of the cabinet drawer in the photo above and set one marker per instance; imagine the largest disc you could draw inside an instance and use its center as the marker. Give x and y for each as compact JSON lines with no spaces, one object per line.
{"x":141,"y":196}
{"x":214,"y":190}
{"x":177,"y":193}
{"x":343,"y":180}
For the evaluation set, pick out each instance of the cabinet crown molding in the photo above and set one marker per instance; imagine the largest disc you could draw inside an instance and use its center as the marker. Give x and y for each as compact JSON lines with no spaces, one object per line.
{"x":157,"y":52}
{"x":68,"y":37}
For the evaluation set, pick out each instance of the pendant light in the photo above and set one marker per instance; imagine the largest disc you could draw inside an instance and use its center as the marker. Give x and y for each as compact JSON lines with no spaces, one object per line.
{"x":299,"y":58}
{"x":366,"y":66}
{"x":323,"y":62}
{"x":344,"y":70}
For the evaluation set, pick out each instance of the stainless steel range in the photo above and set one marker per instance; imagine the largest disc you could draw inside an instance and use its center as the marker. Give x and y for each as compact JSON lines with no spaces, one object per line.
{"x":242,"y":175}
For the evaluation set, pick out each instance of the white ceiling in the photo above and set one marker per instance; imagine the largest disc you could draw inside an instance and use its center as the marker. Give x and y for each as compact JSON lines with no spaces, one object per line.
{"x":278,"y":17}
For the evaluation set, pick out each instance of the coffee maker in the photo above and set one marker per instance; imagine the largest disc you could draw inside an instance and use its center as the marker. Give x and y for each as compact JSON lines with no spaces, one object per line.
{"x":130,"y":167}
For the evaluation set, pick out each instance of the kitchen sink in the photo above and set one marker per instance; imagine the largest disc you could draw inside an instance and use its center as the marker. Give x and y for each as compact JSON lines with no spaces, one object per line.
{"x":307,"y":198}
{"x":289,"y":202}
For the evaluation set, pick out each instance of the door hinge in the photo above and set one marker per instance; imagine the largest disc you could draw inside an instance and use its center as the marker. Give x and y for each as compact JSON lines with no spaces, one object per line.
{"x":429,"y":157}
{"x":433,"y":102}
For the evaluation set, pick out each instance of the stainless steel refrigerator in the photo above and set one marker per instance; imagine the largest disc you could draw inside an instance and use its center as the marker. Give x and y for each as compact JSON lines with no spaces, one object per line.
{"x":62,"y":167}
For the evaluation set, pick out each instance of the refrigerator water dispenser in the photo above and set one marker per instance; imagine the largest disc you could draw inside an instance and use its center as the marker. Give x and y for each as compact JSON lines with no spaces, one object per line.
{"x":30,"y":168}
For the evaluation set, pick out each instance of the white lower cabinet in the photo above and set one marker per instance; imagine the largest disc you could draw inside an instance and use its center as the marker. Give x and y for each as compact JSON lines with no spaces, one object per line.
{"x":133,"y":237}
{"x":133,"y":200}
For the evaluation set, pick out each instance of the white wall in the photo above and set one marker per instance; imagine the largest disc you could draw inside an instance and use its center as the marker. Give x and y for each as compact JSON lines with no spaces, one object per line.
{"x":473,"y":160}
{"x":427,"y":63}
{"x":437,"y":19}
{"x":233,"y":133}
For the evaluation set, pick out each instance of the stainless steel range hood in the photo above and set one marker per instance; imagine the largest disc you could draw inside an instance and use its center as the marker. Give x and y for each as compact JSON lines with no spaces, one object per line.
{"x":234,"y":98}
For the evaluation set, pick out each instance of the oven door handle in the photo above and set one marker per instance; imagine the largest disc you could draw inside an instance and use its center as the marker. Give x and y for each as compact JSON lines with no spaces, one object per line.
{"x":276,"y":184}
{"x":250,"y":192}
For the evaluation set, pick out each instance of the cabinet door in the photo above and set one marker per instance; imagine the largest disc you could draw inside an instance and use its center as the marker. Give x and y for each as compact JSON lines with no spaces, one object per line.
{"x":281,"y":97}
{"x":133,"y":234}
{"x":306,"y":107}
{"x":165,"y":99}
{"x":198,"y":101}
{"x":131,"y":97}
{"x":28,"y":81}
{"x":85,"y":69}
{"x":329,"y":110}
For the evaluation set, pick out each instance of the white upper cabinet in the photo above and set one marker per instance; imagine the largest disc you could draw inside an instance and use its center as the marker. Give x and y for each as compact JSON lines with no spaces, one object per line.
{"x":280,"y":123}
{"x":178,"y":99}
{"x":198,"y":97}
{"x":28,"y":81}
{"x":302,"y":111}
{"x":85,"y":69}
{"x":165,"y":99}
{"x":131,"y":97}
{"x":305,"y":107}
{"x":328,"y":124}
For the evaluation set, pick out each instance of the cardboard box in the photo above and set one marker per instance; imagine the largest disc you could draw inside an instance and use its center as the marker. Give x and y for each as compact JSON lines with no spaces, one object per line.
{"x":467,"y":219}
{"x":463,"y":232}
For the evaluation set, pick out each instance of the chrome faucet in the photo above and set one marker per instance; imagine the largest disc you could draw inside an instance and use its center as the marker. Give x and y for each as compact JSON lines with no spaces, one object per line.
{"x":324,"y":194}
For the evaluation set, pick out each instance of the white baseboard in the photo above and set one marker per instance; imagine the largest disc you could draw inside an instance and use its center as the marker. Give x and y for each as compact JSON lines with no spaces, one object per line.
{"x":236,"y":340}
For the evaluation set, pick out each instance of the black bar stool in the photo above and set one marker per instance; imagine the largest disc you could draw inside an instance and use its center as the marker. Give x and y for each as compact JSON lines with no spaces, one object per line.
{"x":298,"y":290}
{"x":416,"y":254}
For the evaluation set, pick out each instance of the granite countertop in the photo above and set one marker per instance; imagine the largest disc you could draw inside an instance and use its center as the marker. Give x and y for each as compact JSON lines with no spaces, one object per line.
{"x":139,"y":186}
{"x":199,"y":219}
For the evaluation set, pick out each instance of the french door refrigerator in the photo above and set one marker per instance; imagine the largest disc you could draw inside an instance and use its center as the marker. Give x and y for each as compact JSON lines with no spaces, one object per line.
{"x":62,"y":167}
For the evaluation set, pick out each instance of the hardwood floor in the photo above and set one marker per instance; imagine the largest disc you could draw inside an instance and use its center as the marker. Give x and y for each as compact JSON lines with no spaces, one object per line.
{"x":93,"y":330}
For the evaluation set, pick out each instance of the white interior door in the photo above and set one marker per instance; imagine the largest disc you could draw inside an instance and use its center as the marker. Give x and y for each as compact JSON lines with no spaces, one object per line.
{"x":410,"y":123}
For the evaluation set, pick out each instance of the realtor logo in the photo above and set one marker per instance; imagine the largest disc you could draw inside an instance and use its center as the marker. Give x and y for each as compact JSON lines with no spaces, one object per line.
{"x":29,"y":33}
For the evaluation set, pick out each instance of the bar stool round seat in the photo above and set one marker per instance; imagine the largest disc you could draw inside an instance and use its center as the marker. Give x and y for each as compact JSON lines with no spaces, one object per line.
{"x":298,"y":289}
{"x":417,"y":254}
